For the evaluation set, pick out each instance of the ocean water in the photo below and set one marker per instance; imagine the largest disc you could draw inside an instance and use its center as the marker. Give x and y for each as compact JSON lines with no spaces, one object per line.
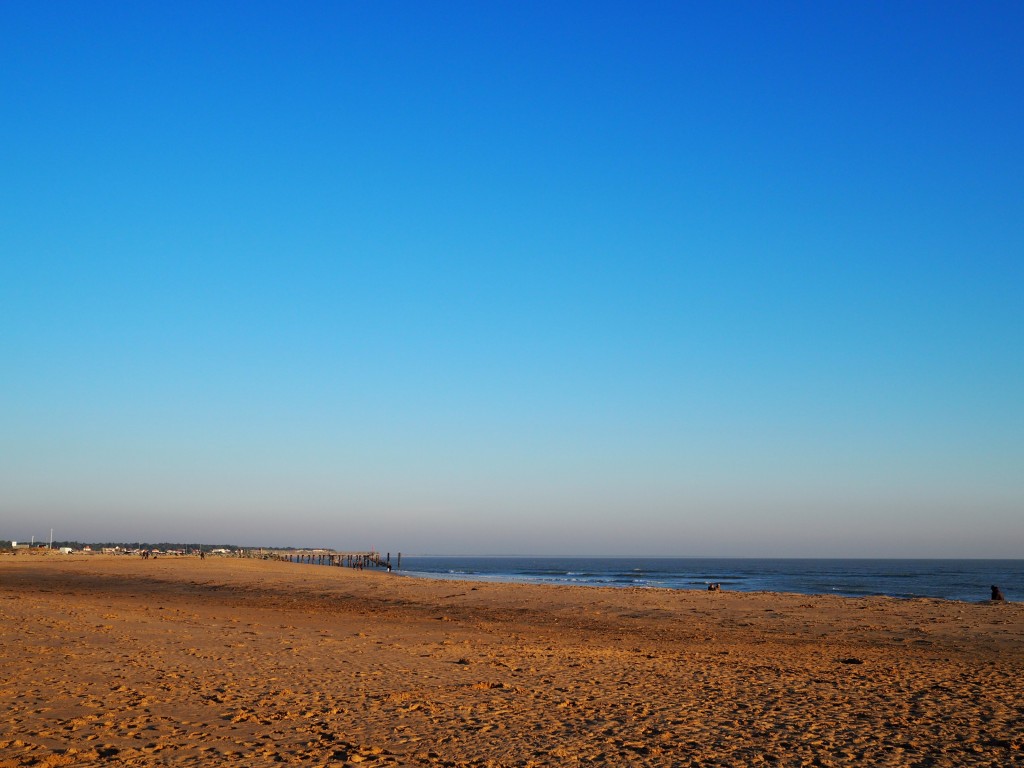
{"x":968,"y":580}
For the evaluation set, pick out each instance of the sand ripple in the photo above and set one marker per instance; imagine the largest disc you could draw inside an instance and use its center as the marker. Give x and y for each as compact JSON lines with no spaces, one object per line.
{"x":112,"y":661}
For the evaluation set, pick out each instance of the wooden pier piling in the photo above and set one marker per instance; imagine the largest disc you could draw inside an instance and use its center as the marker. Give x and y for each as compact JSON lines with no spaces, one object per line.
{"x":359,"y":560}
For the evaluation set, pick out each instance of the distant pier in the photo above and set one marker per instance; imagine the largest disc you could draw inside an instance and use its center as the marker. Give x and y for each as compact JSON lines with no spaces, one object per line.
{"x":359,"y":560}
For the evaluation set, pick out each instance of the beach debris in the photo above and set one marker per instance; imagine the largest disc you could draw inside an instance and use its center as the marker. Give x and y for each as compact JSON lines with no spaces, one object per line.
{"x":851,"y":660}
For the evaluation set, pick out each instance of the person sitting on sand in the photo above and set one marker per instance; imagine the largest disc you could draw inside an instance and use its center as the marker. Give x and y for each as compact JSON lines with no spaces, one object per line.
{"x":997,"y":593}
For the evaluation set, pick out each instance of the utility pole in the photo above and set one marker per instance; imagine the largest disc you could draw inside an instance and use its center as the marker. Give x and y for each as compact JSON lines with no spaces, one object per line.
{"x":51,"y":539}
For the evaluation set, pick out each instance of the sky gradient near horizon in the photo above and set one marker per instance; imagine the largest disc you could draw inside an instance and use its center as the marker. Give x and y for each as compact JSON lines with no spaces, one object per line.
{"x":714,"y":279}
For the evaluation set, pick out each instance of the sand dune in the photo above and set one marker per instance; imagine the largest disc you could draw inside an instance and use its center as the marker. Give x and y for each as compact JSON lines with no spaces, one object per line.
{"x":177,"y":661}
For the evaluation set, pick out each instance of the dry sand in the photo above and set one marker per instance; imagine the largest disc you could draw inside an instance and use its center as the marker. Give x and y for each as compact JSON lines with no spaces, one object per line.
{"x":177,"y":661}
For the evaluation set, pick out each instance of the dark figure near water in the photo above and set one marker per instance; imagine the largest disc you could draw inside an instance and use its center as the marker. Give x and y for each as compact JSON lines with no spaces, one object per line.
{"x":714,"y":587}
{"x":997,"y":593}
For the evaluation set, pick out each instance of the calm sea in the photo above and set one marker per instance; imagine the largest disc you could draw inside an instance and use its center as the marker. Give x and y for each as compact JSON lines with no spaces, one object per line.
{"x":968,"y":580}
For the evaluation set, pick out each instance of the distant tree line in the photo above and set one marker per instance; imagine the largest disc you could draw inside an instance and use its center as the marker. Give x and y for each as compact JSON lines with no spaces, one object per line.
{"x":162,"y":545}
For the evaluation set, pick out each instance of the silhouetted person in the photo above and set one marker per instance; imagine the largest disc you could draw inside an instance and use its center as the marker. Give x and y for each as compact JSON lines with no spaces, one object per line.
{"x":996,"y":593}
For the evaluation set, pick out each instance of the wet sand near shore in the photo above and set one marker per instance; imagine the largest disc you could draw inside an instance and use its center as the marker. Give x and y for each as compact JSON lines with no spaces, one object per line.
{"x":180,"y":661}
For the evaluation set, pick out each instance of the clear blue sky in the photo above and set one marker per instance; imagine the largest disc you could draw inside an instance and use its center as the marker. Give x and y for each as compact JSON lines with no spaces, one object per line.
{"x":545,"y":278}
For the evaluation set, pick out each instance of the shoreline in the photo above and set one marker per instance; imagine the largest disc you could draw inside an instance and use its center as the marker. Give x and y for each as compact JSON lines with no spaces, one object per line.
{"x":739,"y":591}
{"x":252,"y":662}
{"x":677,"y":580}
{"x":832,"y":576}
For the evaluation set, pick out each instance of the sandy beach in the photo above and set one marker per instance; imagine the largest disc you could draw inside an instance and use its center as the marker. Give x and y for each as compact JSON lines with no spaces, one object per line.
{"x":180,"y":661}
